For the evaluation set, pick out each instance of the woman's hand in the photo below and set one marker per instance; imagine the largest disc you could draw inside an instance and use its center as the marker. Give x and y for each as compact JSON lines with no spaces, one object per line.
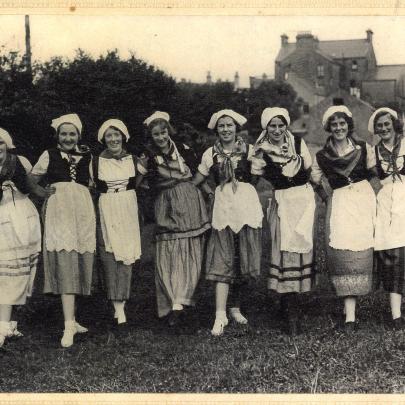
{"x":44,"y":192}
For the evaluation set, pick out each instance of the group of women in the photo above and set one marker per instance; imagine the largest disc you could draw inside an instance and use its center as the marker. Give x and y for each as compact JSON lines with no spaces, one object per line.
{"x":365,"y":222}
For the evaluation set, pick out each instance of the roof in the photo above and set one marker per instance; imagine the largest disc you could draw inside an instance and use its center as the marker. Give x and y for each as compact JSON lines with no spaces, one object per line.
{"x":347,"y":48}
{"x":389,"y":72}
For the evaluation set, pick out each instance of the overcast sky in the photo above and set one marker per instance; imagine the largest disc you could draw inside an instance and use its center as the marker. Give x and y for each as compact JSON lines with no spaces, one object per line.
{"x":187,"y":47}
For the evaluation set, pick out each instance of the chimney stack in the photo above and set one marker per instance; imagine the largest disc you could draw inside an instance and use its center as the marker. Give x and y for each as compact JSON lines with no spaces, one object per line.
{"x":284,"y":40}
{"x":236,"y":81}
{"x":209,"y":78}
{"x":369,"y":35}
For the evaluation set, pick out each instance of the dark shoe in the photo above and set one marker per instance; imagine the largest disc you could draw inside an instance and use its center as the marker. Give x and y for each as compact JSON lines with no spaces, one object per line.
{"x":398,"y":323}
{"x":349,"y":327}
{"x":174,"y":318}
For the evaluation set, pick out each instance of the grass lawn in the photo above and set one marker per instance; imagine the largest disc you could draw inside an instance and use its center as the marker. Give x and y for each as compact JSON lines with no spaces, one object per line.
{"x":255,"y":359}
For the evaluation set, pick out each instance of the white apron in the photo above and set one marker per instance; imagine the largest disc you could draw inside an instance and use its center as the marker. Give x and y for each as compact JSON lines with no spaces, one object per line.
{"x":390,"y":221}
{"x":296,"y":210}
{"x":353,"y":217}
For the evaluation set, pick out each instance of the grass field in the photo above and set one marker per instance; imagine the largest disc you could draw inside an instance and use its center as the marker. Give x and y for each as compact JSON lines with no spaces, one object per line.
{"x":255,"y":359}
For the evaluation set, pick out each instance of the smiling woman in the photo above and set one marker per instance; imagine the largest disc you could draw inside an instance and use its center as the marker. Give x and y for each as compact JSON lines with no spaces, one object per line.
{"x":390,"y":222}
{"x":116,"y":174}
{"x":69,"y":219}
{"x":234,"y":246}
{"x":20,"y":236}
{"x":347,"y":164}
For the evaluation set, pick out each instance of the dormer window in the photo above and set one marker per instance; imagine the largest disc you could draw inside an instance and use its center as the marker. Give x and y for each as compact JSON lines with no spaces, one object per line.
{"x":320,"y":71}
{"x":355,"y":66}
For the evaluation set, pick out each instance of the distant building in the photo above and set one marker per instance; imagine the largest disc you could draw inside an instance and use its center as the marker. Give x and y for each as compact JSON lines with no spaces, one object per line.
{"x":316,"y":69}
{"x":309,"y":125}
{"x":255,"y":82}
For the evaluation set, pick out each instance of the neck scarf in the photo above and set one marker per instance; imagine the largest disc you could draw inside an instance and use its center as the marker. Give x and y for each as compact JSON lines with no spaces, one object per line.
{"x":342,"y":165}
{"x":107,"y":154}
{"x":226,"y":170}
{"x":285,"y":155}
{"x":390,"y":157}
{"x":172,"y":154}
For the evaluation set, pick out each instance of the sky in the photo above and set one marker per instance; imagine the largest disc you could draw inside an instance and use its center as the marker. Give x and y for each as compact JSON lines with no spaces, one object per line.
{"x":189,"y":46}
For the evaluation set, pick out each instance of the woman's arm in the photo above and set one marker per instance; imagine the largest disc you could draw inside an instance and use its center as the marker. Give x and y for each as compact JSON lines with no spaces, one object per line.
{"x":198,"y":179}
{"x":35,"y":188}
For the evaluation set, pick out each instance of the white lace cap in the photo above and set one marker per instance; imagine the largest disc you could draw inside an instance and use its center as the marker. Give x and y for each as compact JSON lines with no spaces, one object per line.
{"x":270,"y":112}
{"x":112,"y":123}
{"x":67,"y":119}
{"x":6,"y":138}
{"x":333,"y":110}
{"x":390,"y":111}
{"x":240,"y":119}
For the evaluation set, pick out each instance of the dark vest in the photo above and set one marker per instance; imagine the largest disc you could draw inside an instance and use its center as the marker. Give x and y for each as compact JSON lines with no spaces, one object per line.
{"x":359,"y":173}
{"x":242,"y":170}
{"x":14,"y":171}
{"x":58,"y":169}
{"x":273,"y":171}
{"x":101,"y":185}
{"x":381,"y":173}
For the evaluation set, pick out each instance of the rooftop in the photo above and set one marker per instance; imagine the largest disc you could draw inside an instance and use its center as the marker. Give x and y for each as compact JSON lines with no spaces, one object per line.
{"x":347,"y":48}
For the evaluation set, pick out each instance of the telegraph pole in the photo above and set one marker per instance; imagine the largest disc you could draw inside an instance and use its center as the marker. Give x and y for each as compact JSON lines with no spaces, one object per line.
{"x":28,"y":60}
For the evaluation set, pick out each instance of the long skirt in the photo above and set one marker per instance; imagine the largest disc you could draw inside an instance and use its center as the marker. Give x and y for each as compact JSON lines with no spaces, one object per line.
{"x":351,"y":270}
{"x":20,"y":243}
{"x":390,"y":236}
{"x":181,"y":219}
{"x":390,"y":266}
{"x":234,"y":257}
{"x":69,"y":240}
{"x":289,"y":272}
{"x":117,"y":275}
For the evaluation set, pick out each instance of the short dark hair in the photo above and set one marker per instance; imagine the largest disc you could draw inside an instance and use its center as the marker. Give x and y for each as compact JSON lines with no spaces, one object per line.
{"x":123,"y":137}
{"x":161,"y":122}
{"x":343,"y":115}
{"x":282,"y":118}
{"x":238,"y":126}
{"x":396,"y":122}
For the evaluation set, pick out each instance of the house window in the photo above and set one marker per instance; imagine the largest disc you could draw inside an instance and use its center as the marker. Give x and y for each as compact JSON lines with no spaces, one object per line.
{"x":338,"y":101}
{"x":305,"y":108}
{"x":355,"y":66}
{"x":286,"y":76}
{"x":320,"y":71}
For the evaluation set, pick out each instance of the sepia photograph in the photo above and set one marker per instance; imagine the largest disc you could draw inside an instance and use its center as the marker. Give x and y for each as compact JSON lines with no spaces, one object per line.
{"x":202,"y":204}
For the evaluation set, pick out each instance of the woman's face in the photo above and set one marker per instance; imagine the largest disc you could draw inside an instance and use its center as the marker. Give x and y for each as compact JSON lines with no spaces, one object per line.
{"x":276,"y":130}
{"x":160,"y":136}
{"x":113,"y":140}
{"x":384,"y":127}
{"x":68,"y":137}
{"x":3,"y":150}
{"x":339,"y":128}
{"x":226,"y":129}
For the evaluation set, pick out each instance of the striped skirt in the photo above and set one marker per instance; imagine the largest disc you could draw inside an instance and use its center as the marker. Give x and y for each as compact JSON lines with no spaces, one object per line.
{"x":20,"y":243}
{"x":289,"y":272}
{"x":390,"y":266}
{"x":181,"y":220}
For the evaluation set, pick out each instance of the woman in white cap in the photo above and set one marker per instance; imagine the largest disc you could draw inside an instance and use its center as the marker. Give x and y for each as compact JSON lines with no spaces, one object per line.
{"x":20,"y":235}
{"x":285,"y":161}
{"x":234,"y":247}
{"x":116,"y":174}
{"x":390,"y":221}
{"x":344,"y":167}
{"x":181,"y":219}
{"x":69,"y":219}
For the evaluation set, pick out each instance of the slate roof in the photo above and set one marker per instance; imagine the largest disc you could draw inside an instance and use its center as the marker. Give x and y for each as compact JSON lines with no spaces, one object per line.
{"x":348,"y":48}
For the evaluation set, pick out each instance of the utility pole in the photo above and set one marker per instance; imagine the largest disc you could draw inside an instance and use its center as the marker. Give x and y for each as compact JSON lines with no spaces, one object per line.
{"x":28,"y":47}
